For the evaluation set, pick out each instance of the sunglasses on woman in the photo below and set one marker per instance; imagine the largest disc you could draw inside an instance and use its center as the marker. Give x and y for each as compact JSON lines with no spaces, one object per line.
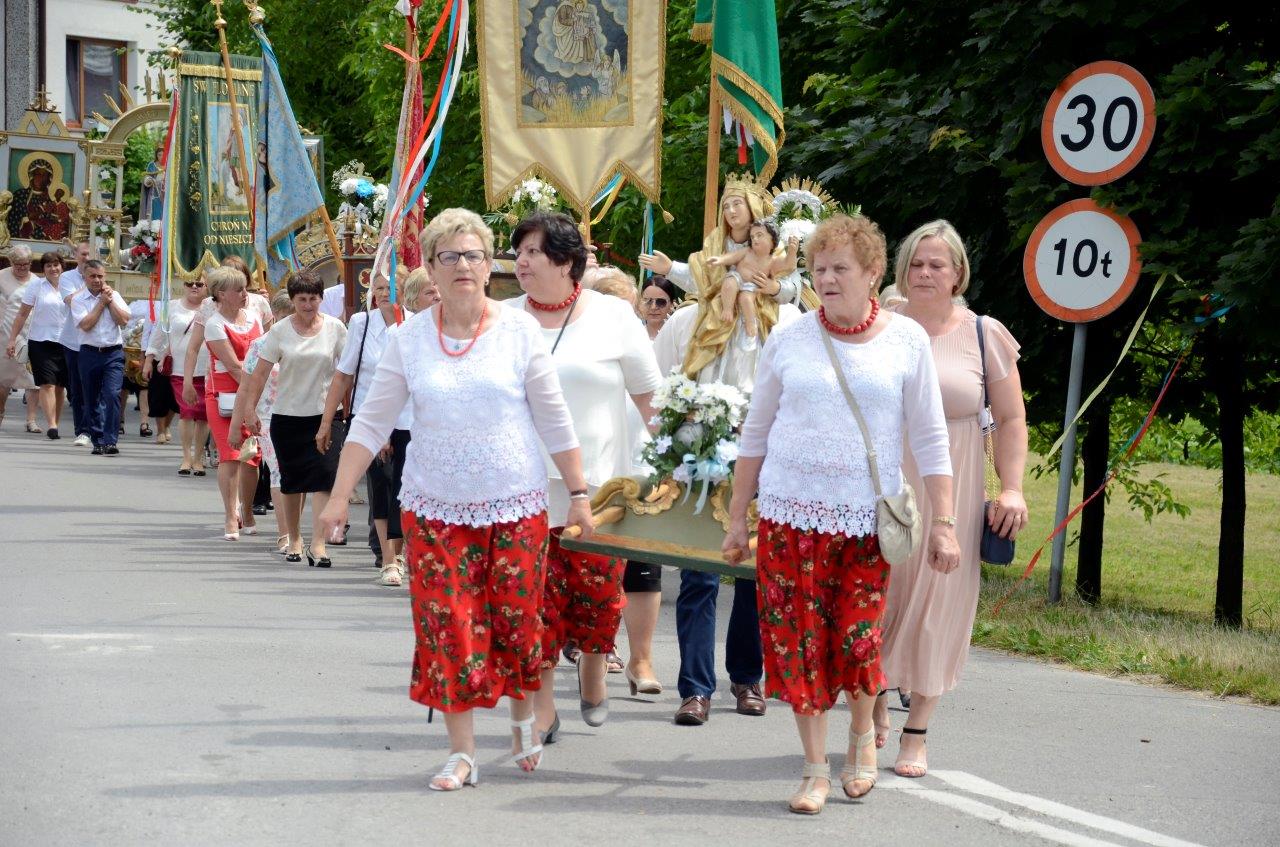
{"x":196,"y":284}
{"x":654,"y":302}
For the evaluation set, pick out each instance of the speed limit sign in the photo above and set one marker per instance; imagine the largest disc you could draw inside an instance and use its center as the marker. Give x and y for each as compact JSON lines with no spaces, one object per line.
{"x":1082,"y":261}
{"x":1099,"y":123}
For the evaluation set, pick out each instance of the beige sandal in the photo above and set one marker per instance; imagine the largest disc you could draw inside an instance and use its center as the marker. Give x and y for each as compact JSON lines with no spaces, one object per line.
{"x":901,"y":766}
{"x":809,"y":800}
{"x":855,"y":771}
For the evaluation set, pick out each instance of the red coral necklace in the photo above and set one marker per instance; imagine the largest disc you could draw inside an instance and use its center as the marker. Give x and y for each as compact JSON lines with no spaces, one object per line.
{"x":465,"y":350}
{"x":563,"y":304}
{"x":856,"y":329}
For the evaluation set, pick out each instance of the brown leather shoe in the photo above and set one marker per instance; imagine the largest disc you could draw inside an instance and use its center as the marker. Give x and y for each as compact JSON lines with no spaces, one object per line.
{"x":693,"y":711}
{"x":750,"y":700}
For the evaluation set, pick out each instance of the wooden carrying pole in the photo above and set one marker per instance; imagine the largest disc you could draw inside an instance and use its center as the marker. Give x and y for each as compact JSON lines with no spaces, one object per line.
{"x":711,"y":203}
{"x":237,"y":162}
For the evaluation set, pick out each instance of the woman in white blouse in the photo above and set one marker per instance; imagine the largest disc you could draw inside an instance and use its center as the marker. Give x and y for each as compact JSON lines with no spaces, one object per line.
{"x":306,"y":347}
{"x":605,"y":363}
{"x":169,"y":342}
{"x":43,"y":303}
{"x":484,"y":393}
{"x":367,"y":336}
{"x":822,"y":582}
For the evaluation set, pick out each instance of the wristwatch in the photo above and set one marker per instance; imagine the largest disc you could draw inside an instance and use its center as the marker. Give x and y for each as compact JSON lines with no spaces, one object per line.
{"x":946,"y":520}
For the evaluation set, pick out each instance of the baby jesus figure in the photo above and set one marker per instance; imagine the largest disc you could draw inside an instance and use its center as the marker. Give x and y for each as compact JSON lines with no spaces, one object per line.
{"x":749,"y":266}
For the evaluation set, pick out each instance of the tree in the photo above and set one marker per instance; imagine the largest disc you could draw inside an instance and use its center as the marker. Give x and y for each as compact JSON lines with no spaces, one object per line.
{"x":952,"y":130}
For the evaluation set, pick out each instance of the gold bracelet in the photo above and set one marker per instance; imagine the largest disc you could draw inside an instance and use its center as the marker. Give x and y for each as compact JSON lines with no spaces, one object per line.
{"x":946,"y":520}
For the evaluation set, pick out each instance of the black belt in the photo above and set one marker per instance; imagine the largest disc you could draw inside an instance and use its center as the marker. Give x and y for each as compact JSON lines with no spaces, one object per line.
{"x":110,"y":349}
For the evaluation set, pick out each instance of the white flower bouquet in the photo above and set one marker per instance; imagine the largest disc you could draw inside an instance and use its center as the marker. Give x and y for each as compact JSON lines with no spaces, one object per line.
{"x":696,"y":440}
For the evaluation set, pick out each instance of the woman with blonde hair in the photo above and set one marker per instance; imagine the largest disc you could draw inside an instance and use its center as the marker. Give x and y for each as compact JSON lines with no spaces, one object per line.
{"x":929,"y":614}
{"x":14,"y":281}
{"x":168,"y":347}
{"x":484,"y":393}
{"x":228,"y":333}
{"x":822,"y":579}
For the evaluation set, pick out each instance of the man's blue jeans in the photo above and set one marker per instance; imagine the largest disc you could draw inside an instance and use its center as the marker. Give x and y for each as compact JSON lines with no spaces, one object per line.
{"x":75,"y":391}
{"x":101,"y":378}
{"x":696,"y":632}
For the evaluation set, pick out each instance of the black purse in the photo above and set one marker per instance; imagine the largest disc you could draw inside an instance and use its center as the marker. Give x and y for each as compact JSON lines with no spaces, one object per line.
{"x":993,"y":549}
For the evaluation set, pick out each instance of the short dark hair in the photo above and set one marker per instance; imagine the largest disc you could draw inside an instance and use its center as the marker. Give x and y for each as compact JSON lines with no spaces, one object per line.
{"x":305,"y":281}
{"x":56,"y":258}
{"x":91,"y":264}
{"x":668,"y":287}
{"x":561,"y":240}
{"x":767,"y":226}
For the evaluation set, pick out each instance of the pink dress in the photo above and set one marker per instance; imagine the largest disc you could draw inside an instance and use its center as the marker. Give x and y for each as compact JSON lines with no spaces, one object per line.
{"x":929,"y":616}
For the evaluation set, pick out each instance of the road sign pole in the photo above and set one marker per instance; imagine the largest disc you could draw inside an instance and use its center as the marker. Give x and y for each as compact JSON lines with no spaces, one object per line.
{"x":1068,"y":464}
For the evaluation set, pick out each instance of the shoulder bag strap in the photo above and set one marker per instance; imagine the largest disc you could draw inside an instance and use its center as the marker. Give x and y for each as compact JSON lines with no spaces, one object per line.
{"x":857,"y":412}
{"x":355,"y":383}
{"x":982,"y":354}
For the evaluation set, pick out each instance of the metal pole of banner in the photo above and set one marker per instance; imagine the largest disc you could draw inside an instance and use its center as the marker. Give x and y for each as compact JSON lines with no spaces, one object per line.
{"x":1068,"y":464}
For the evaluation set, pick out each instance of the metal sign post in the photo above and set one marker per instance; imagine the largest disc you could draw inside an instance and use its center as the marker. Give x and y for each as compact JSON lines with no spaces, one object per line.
{"x":1068,"y":464}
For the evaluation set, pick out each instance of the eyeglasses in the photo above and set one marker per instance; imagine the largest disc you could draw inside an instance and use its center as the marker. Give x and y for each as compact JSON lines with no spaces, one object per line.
{"x":654,"y":302}
{"x":449,"y":258}
{"x":196,"y":284}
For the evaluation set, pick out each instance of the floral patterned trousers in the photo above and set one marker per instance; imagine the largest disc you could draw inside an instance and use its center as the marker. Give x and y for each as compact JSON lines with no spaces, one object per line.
{"x":475,"y":596}
{"x":583,"y":601}
{"x":821,"y":600}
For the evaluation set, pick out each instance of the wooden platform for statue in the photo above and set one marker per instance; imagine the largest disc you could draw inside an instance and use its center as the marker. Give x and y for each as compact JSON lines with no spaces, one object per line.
{"x":636,"y":520}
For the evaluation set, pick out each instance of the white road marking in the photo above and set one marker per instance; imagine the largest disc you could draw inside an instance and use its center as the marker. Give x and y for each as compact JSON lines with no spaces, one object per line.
{"x":77,"y":636}
{"x":999,"y":817}
{"x":978,"y":785}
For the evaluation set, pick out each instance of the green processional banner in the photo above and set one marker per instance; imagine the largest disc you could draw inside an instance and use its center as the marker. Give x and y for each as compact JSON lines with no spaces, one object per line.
{"x":214,"y":168}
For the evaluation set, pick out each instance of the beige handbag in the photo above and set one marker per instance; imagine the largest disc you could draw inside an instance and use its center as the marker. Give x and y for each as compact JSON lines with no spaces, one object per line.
{"x":898,"y":523}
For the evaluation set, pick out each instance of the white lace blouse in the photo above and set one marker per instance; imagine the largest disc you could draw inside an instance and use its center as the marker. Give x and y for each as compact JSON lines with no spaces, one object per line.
{"x":473,"y":458}
{"x":815,"y":473}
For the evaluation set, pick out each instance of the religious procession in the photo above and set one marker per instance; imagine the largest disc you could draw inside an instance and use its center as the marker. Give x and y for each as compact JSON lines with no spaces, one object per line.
{"x":597,"y":358}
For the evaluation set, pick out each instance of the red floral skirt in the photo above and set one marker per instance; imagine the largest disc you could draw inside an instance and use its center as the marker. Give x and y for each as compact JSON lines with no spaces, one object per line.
{"x":475,"y":596}
{"x":583,"y":601}
{"x":821,"y":598}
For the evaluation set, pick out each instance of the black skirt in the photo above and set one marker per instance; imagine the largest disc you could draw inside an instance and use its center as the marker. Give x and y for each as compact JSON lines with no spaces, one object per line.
{"x":160,"y":398}
{"x":303,"y":468}
{"x":48,"y":366}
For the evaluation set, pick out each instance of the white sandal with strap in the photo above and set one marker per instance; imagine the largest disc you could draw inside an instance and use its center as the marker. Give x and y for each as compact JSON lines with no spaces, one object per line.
{"x":809,"y":792}
{"x":856,"y":771}
{"x":452,"y":778}
{"x":527,"y":748}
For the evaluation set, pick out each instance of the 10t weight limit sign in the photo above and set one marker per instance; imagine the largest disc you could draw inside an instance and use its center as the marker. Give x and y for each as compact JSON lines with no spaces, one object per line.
{"x":1099,"y":123}
{"x":1082,"y":261}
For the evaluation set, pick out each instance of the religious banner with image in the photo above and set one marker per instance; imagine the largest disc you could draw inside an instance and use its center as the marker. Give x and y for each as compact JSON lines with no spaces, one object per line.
{"x":42,"y":177}
{"x":212,"y":169}
{"x":571,"y":91}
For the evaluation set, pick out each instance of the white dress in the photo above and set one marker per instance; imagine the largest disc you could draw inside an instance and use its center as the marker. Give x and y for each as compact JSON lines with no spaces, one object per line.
{"x":12,"y":374}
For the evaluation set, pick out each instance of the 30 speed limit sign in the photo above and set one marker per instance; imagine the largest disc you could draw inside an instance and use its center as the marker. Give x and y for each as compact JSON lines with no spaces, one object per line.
{"x":1082,"y":261}
{"x":1099,"y":123}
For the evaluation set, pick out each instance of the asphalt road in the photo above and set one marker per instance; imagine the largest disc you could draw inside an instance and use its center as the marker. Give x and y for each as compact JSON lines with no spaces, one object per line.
{"x":162,"y":686}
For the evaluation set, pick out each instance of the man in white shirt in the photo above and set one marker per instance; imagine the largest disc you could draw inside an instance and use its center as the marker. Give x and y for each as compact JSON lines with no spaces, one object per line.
{"x":70,"y":284}
{"x":100,"y":313}
{"x":334,"y":302}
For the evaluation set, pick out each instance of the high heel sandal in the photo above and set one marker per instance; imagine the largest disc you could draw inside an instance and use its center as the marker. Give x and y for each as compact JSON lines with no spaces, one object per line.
{"x":900,"y":765}
{"x":642,"y":685}
{"x":282,"y":545}
{"x":549,"y":734}
{"x":882,"y":729}
{"x":527,"y":748}
{"x":594,"y":714}
{"x":855,"y":771}
{"x":317,"y":561}
{"x":809,"y":800}
{"x":448,"y":773}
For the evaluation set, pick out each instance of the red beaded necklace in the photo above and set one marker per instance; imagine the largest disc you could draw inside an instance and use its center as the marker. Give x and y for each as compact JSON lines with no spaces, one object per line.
{"x":465,"y":350}
{"x":563,"y":304}
{"x":850,"y":330}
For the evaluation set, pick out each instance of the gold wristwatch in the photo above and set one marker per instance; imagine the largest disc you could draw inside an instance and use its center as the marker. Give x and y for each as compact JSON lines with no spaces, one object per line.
{"x":945,"y":520}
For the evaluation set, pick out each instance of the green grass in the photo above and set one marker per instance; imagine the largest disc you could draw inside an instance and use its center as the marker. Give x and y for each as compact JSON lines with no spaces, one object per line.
{"x":1156,"y":615}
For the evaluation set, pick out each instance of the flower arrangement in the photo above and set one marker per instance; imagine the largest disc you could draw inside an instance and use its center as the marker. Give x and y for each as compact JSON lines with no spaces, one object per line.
{"x":696,"y":437}
{"x":142,"y":248}
{"x":799,"y":205}
{"x":362,"y":199}
{"x":531,"y":195}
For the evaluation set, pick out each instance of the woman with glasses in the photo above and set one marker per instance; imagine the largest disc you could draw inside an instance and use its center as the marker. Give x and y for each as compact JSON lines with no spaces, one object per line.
{"x":605,"y":364}
{"x":484,"y":395}
{"x":42,"y":302}
{"x":657,"y":301}
{"x":14,"y":374}
{"x":167,"y":359}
